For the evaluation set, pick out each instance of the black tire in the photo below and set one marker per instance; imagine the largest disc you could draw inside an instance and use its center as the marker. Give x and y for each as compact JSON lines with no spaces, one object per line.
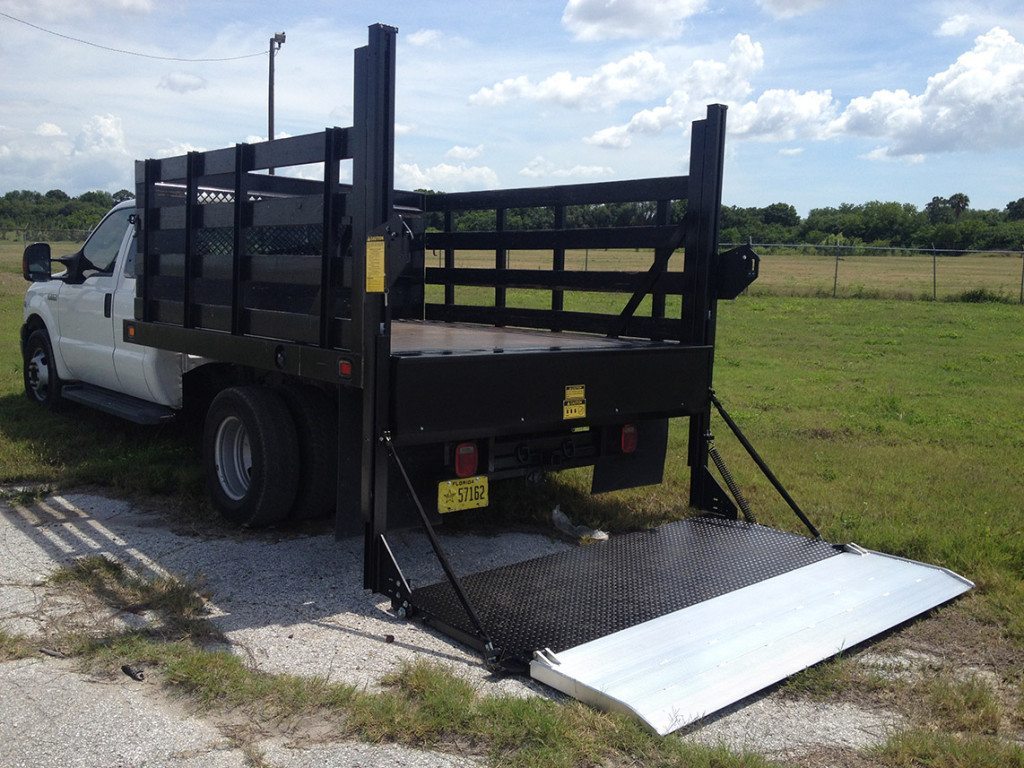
{"x":39,"y":371}
{"x":316,"y":422}
{"x":250,"y":456}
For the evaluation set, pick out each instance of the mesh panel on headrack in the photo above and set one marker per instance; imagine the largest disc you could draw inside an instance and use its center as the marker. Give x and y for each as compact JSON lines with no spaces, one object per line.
{"x":219,"y":241}
{"x":302,"y":239}
{"x":208,"y":196}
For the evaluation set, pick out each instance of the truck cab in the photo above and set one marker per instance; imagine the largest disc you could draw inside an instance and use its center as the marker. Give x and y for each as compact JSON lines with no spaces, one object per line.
{"x":73,"y":315}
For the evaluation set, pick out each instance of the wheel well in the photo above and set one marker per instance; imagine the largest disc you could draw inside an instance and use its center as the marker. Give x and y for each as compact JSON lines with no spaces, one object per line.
{"x":202,"y":384}
{"x":33,"y":323}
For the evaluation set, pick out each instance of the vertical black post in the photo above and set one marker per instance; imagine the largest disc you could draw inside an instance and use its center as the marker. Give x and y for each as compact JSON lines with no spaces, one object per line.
{"x":658,"y":295}
{"x":935,"y":274}
{"x":558,"y":264}
{"x":500,"y":262}
{"x":150,"y":175}
{"x":193,"y":220}
{"x":333,"y":150}
{"x":243,"y":218}
{"x":449,"y":263}
{"x":707,"y":158}
{"x":373,"y":141}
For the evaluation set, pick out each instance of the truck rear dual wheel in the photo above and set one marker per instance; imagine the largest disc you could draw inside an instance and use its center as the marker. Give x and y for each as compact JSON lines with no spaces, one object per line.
{"x":251,"y":456}
{"x":316,"y":422}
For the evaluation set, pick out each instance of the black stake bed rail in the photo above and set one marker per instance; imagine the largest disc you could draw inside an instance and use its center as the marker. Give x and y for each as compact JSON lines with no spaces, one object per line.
{"x":327,"y":281}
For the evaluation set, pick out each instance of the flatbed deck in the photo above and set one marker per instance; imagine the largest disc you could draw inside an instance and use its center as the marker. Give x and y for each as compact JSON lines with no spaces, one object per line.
{"x":413,"y":337}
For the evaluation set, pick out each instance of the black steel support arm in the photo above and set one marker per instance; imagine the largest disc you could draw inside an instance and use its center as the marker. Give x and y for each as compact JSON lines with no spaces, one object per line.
{"x":490,"y":653}
{"x":764,"y":467}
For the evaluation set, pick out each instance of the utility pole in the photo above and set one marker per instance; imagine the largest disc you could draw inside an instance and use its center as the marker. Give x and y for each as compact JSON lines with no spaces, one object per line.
{"x":275,"y":45}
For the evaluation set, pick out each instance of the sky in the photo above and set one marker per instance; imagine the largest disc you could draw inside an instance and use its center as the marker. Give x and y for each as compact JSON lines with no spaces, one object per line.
{"x":830,"y":101}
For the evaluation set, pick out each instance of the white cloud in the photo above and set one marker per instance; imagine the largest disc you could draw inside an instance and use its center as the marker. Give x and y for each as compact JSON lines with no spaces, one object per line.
{"x":881,"y":154}
{"x":637,"y":76}
{"x":445,"y":177}
{"x":425,"y":37}
{"x":465,"y":153}
{"x":49,"y":129}
{"x":609,"y":19}
{"x":404,"y":129}
{"x":976,"y":103}
{"x":705,"y":80}
{"x":541,"y":167}
{"x":182,"y":82}
{"x":96,"y":158}
{"x":791,"y":151}
{"x":61,"y":9}
{"x":778,"y":115}
{"x":954,"y":26}
{"x":785,"y":9}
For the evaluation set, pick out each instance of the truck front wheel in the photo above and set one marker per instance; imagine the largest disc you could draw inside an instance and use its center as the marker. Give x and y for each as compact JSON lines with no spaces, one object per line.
{"x":250,"y":456}
{"x":42,"y":385}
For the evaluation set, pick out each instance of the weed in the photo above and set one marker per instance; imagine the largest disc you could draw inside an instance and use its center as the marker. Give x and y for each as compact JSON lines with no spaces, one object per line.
{"x":926,"y":749}
{"x":13,"y":647}
{"x":965,"y":706}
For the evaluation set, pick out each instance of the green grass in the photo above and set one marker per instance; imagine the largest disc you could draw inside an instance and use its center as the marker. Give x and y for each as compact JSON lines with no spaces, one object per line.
{"x":961,"y":706}
{"x":920,"y":748}
{"x":13,"y":647}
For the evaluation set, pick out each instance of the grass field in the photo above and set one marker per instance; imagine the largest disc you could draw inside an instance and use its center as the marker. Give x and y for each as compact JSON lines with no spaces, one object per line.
{"x":896,"y":424}
{"x":785,"y":273}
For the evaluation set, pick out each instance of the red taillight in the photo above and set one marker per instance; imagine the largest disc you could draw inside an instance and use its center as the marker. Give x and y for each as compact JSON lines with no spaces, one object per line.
{"x":345,"y":369}
{"x":465,"y":459}
{"x":629,"y":438}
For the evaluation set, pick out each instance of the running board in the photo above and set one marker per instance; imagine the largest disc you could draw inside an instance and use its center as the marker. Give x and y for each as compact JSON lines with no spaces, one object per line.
{"x":681,"y":667}
{"x":117,"y":404}
{"x":674,"y":623}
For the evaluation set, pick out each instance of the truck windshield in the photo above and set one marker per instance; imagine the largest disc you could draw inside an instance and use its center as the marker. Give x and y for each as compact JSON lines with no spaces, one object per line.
{"x":101,"y":248}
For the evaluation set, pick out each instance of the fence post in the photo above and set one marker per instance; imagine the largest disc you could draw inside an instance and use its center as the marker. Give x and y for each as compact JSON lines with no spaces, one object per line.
{"x":935,"y":290}
{"x":1022,"y":274}
{"x":835,"y":279}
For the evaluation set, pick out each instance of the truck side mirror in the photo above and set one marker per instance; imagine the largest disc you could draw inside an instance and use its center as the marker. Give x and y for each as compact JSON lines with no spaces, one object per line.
{"x":35,"y":264}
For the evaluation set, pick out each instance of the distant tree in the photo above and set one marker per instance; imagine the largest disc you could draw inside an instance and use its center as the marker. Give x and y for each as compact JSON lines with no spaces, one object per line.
{"x":57,"y":194}
{"x":959,"y":203}
{"x":123,"y":194}
{"x":939,"y":210}
{"x":1015,"y":210}
{"x":783,"y":214}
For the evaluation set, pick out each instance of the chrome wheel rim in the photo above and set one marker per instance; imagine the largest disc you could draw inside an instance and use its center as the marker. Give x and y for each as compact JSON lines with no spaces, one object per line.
{"x":39,"y":375}
{"x":234,"y":458}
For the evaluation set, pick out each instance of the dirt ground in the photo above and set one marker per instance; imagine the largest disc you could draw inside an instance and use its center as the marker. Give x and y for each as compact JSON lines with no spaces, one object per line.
{"x":293,"y":602}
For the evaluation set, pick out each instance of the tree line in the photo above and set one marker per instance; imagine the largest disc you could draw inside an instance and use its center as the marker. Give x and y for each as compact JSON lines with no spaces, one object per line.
{"x":23,"y":209}
{"x":945,"y":222}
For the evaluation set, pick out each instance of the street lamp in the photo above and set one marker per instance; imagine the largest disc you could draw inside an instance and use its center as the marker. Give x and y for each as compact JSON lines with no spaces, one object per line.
{"x":275,"y":45}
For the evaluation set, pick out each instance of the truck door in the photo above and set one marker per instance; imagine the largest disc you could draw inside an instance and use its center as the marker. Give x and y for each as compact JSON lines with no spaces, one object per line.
{"x":86,"y":328}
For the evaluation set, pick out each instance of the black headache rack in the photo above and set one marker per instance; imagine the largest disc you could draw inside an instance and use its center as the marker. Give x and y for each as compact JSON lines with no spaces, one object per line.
{"x":327,"y":281}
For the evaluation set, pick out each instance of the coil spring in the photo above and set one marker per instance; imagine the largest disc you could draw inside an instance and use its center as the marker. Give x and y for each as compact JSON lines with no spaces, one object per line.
{"x":730,"y":483}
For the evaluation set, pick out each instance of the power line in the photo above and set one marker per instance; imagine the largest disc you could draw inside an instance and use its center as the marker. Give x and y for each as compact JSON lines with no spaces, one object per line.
{"x":122,"y":50}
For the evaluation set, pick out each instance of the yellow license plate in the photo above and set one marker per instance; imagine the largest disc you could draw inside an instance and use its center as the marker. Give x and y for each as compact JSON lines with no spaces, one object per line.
{"x":463,"y":493}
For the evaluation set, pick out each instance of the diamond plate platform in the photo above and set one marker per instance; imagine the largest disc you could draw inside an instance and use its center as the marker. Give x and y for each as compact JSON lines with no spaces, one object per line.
{"x":570,"y":598}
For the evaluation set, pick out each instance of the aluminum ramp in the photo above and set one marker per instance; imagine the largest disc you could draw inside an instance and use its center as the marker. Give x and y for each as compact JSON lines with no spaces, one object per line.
{"x":675,"y":623}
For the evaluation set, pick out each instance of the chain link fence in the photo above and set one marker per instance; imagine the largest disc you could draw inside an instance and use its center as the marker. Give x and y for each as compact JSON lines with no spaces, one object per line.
{"x":861,"y":271}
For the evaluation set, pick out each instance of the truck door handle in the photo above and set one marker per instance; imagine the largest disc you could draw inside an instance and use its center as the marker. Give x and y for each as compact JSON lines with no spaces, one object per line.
{"x":107,"y":298}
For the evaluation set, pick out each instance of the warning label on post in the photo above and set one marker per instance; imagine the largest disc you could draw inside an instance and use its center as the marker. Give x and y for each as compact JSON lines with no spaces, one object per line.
{"x":574,"y":406}
{"x":375,"y":264}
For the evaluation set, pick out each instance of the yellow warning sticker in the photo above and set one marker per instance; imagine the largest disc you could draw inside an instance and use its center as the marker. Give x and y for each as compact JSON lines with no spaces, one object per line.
{"x":574,"y":406}
{"x":375,"y":264}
